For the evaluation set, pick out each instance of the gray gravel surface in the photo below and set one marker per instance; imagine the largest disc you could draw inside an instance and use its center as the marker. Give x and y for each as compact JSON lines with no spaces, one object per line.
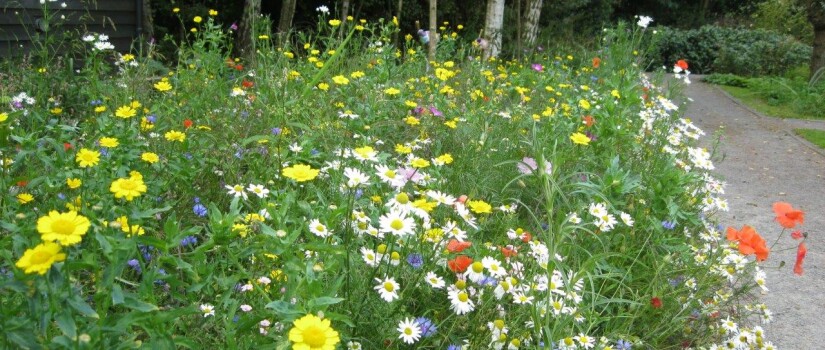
{"x":763,"y":162}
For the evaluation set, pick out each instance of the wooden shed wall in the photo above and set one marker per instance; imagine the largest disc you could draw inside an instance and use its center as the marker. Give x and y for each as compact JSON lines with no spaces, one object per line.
{"x":19,"y":21}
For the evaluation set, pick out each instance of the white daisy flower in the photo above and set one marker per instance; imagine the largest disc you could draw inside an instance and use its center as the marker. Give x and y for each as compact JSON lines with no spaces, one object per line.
{"x":493,"y":266}
{"x":460,"y":301}
{"x":258,"y":190}
{"x":236,"y":191}
{"x":598,"y":209}
{"x":356,"y":178}
{"x":397,"y":224}
{"x":626,"y":218}
{"x":434,"y":280}
{"x":409,"y":331}
{"x":319,"y":229}
{"x":207,"y":310}
{"x":441,"y":198}
{"x":369,"y":257}
{"x":387,"y":289}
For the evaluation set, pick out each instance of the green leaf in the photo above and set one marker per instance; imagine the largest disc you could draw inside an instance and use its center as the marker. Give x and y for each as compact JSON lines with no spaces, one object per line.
{"x":23,"y":338}
{"x":148,"y":213}
{"x":284,"y":309}
{"x":133,"y":303}
{"x":323,"y":301}
{"x":117,"y":294}
{"x":66,"y":323}
{"x":82,"y":307}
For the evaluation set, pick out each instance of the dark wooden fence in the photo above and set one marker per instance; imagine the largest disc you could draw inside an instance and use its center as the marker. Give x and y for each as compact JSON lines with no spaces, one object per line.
{"x":22,"y":21}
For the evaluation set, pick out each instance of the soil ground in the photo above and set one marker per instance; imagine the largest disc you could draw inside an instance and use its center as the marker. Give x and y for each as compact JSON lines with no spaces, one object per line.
{"x":763,"y":162}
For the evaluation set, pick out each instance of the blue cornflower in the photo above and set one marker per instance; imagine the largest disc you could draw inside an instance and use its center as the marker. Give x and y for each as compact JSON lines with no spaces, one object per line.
{"x":199,"y":209}
{"x":427,"y":326}
{"x":151,"y":118}
{"x":188,"y":240}
{"x":415,"y":260}
{"x":623,"y":345}
{"x":276,"y":131}
{"x":314,"y":152}
{"x":134,"y":264}
{"x":358,"y":193}
{"x":668,"y":225}
{"x":454,"y":347}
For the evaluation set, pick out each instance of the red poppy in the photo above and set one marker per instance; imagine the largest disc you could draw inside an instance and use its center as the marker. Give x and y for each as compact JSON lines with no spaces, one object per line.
{"x":460,"y":263}
{"x":596,"y":62}
{"x":526,"y":237}
{"x":508,"y":251}
{"x":801,"y":251}
{"x":682,"y":64}
{"x":750,"y":242}
{"x":656,"y":302}
{"x":588,"y":120}
{"x":787,"y":216}
{"x":797,"y":234}
{"x":454,"y":246}
{"x":67,"y":146}
{"x":187,"y":123}
{"x":247,"y":84}
{"x":238,"y":67}
{"x":22,"y":183}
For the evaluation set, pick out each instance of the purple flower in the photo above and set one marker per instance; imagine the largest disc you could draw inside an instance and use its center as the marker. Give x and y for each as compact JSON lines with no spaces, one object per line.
{"x":151,"y":118}
{"x":415,"y":260}
{"x":188,"y":240}
{"x":668,"y":225}
{"x":199,"y":210}
{"x":623,"y":345}
{"x":276,"y":131}
{"x":528,"y":166}
{"x":134,"y":264}
{"x":427,"y":326}
{"x":234,"y":26}
{"x":436,"y":112}
{"x":537,"y":67}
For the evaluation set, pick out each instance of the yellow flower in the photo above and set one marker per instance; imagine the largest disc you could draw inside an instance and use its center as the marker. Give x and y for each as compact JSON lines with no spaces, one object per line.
{"x":357,"y":74}
{"x":403,"y":149}
{"x":335,"y":22}
{"x":289,"y":54}
{"x":580,"y":139}
{"x":480,"y":207}
{"x":128,"y":187}
{"x":65,"y":228}
{"x":149,"y":157}
{"x":241,"y":229}
{"x":73,"y":183}
{"x":87,"y":158}
{"x":4,"y":117}
{"x":163,"y":85}
{"x":145,"y":124}
{"x":312,"y":333}
{"x":132,"y":230}
{"x":176,"y":10}
{"x":197,"y":19}
{"x":126,"y":112}
{"x":213,"y":13}
{"x":323,"y":86}
{"x":584,"y":104}
{"x":444,"y":159}
{"x":100,"y":109}
{"x":300,"y":172}
{"x":109,"y":142}
{"x":56,"y":110}
{"x":392,"y":91}
{"x":340,"y":80}
{"x":40,"y":258}
{"x":419,"y":163}
{"x":175,"y":135}
{"x":193,"y":30}
{"x":615,"y":93}
{"x":25,"y":198}
{"x":412,"y":121}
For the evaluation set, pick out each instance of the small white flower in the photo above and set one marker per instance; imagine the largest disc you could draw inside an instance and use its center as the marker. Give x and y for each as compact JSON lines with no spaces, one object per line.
{"x":434,"y":280}
{"x":258,"y":190}
{"x":207,"y":310}
{"x":319,"y":229}
{"x":387,"y":289}
{"x":246,"y":308}
{"x":626,"y":218}
{"x":322,"y":9}
{"x":644,"y":21}
{"x":410,"y":331}
{"x":264,"y":280}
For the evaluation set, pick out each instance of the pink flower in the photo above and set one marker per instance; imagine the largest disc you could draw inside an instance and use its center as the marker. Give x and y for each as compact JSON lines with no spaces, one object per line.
{"x":528,"y":166}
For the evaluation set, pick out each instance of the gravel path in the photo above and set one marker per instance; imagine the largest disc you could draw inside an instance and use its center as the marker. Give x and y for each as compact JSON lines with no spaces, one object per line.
{"x":764,"y":162}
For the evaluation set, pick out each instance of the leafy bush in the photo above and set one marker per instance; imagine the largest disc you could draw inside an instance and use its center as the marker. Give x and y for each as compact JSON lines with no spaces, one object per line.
{"x":796,"y":97}
{"x":713,"y":49}
{"x":726,"y":79}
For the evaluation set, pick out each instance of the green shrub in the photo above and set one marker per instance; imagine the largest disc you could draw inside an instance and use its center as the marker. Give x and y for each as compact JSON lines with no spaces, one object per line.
{"x":713,"y":49}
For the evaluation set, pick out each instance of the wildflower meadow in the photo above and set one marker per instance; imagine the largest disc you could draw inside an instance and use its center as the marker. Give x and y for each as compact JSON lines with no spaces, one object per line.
{"x":343,"y":191}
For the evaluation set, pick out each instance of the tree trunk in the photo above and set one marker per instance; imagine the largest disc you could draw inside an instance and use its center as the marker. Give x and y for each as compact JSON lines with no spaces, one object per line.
{"x":245,"y":43}
{"x":148,"y":30}
{"x":816,"y":15}
{"x":519,"y":28}
{"x":395,"y":38}
{"x":531,"y":23}
{"x":285,"y":20}
{"x":344,"y":14}
{"x":492,"y":28}
{"x":433,"y":30}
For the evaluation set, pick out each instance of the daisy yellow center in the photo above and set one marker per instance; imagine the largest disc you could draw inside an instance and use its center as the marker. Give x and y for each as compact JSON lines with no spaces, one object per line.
{"x":478,"y":267}
{"x":397,"y":224}
{"x":62,"y":226}
{"x":314,"y":337}
{"x":389,"y":287}
{"x":238,"y":188}
{"x":408,"y":331}
{"x":402,"y":198}
{"x":320,"y":228}
{"x":40,"y":257}
{"x":463,"y":297}
{"x":390,"y":174}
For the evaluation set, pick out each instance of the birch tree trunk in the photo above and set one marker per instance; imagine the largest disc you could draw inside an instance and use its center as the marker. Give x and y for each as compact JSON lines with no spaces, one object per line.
{"x":344,"y":14}
{"x":492,"y":28}
{"x":531,"y":23}
{"x":433,"y":30}
{"x":245,"y":43}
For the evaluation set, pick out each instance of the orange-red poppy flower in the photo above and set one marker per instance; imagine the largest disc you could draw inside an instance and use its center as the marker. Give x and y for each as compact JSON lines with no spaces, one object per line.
{"x":187,"y":123}
{"x":797,"y":234}
{"x":596,"y":62}
{"x":750,"y":242}
{"x":656,"y":302}
{"x":460,"y":263}
{"x":682,"y":64}
{"x":588,"y":120}
{"x":787,"y":216}
{"x":801,"y":251}
{"x":508,"y":251}
{"x":454,"y":246}
{"x":526,"y":237}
